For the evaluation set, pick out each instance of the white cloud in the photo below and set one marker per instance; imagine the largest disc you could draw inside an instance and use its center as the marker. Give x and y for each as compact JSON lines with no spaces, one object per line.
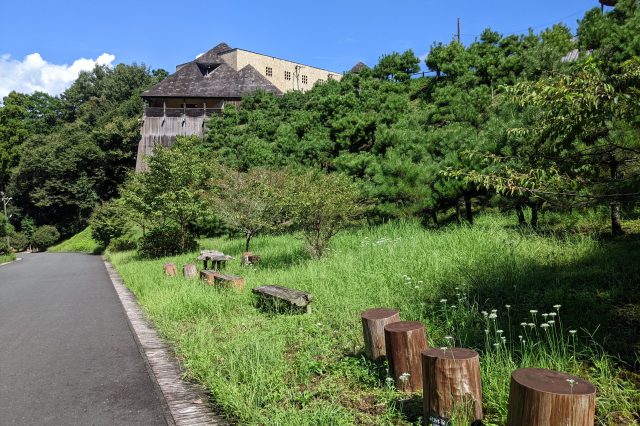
{"x":35,"y":74}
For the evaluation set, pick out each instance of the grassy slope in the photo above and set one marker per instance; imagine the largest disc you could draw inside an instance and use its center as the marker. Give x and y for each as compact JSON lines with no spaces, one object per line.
{"x":308,"y":369}
{"x":81,"y":242}
{"x":7,"y":257}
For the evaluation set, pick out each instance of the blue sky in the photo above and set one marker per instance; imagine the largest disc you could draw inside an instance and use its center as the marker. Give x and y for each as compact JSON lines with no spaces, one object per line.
{"x":329,"y":34}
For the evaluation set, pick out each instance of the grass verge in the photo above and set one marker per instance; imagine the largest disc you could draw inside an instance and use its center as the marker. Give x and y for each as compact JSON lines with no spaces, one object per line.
{"x":7,"y":257}
{"x":82,"y":242}
{"x":265,"y":368}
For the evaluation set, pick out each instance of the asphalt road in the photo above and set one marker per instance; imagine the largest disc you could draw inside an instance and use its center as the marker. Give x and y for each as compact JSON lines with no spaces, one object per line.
{"x":67,"y":355}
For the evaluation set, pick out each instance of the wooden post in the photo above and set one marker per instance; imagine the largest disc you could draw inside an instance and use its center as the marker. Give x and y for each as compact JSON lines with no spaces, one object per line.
{"x":373,"y":322}
{"x":404,"y":342}
{"x":190,"y":270}
{"x":539,"y":397}
{"x":451,"y":385}
{"x":170,"y":269}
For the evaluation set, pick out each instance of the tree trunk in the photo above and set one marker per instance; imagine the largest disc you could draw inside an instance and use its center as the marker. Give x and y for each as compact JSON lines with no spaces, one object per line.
{"x":520,"y":213}
{"x":451,"y":379}
{"x":552,"y":398}
{"x":535,"y":207}
{"x":248,"y":236}
{"x":459,"y":204}
{"x":373,"y":322}
{"x":404,"y":343}
{"x":468,"y":208}
{"x":616,"y":227}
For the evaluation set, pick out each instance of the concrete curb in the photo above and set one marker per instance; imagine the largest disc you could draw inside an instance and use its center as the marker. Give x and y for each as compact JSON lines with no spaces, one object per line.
{"x":186,"y":403}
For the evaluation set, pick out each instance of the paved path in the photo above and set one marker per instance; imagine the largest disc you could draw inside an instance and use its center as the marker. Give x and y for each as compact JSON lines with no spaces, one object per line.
{"x":67,"y":355}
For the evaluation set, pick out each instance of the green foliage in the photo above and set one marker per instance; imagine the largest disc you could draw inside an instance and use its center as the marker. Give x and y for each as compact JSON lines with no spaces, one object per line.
{"x":397,"y":66}
{"x":28,"y":227}
{"x":251,"y":202}
{"x":172,"y":191}
{"x":45,"y":236}
{"x":59,"y":156}
{"x":5,"y":226}
{"x":166,"y":240}
{"x":108,"y":221}
{"x":122,"y":244}
{"x":19,"y":241}
{"x":321,"y":205}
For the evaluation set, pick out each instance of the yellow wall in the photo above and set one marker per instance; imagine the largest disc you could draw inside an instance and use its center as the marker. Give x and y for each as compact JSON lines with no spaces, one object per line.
{"x":238,"y":59}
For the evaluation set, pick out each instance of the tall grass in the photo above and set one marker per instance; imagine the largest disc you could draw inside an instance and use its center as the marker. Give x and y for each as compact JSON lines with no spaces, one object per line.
{"x":265,"y":368}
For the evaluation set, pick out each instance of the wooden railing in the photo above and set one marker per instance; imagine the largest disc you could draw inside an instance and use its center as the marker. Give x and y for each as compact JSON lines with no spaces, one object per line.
{"x":180,"y":112}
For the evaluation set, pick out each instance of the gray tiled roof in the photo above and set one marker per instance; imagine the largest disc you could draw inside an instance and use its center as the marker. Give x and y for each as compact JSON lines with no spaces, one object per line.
{"x":358,"y":67}
{"x":210,"y":77}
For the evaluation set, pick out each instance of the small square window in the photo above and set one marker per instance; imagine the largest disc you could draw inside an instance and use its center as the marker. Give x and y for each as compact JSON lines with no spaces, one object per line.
{"x":305,"y":80}
{"x":269,"y":71}
{"x":287,"y":75}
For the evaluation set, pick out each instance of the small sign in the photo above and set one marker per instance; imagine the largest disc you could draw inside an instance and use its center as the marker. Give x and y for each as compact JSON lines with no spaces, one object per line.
{"x":438,"y":421}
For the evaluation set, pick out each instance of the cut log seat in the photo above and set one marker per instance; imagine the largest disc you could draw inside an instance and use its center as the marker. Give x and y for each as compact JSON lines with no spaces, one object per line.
{"x":216,"y":278}
{"x":278,"y":297}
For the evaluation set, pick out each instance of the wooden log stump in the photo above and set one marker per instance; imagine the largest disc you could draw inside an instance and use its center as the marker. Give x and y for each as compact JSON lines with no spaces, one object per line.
{"x":228,"y":280}
{"x":550,"y":398}
{"x":373,"y":322}
{"x":190,"y":270}
{"x":212,"y":277}
{"x":208,"y":276}
{"x":452,"y":385}
{"x":170,"y":269}
{"x":249,"y":258}
{"x":404,"y":343}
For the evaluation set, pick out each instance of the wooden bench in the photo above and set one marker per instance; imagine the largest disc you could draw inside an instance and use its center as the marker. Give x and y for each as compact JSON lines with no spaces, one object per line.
{"x":212,"y":277}
{"x":278,"y":297}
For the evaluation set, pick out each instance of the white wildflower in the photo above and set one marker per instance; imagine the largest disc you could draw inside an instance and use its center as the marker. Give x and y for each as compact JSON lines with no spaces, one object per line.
{"x":404,"y":377}
{"x":573,"y":332}
{"x":545,"y":325}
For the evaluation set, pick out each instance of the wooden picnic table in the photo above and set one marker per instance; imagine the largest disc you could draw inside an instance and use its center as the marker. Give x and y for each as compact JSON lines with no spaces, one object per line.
{"x":217,"y":259}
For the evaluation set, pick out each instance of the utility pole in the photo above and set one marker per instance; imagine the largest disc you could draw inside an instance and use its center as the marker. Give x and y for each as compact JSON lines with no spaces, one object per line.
{"x":458,"y":30}
{"x":5,"y":201}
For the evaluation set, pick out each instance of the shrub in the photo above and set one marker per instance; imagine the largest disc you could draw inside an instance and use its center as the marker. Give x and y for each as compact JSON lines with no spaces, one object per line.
{"x":122,"y":244}
{"x":3,"y":246}
{"x":107,"y":222}
{"x":19,"y":241}
{"x":321,"y":205}
{"x":45,"y":236}
{"x":166,"y":240}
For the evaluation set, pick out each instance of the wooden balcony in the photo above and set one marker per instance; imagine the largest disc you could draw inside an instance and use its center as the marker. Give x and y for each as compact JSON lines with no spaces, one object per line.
{"x":180,"y":112}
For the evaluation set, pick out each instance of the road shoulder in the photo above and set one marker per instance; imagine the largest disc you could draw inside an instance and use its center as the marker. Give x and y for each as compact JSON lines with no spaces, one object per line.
{"x":186,"y":403}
